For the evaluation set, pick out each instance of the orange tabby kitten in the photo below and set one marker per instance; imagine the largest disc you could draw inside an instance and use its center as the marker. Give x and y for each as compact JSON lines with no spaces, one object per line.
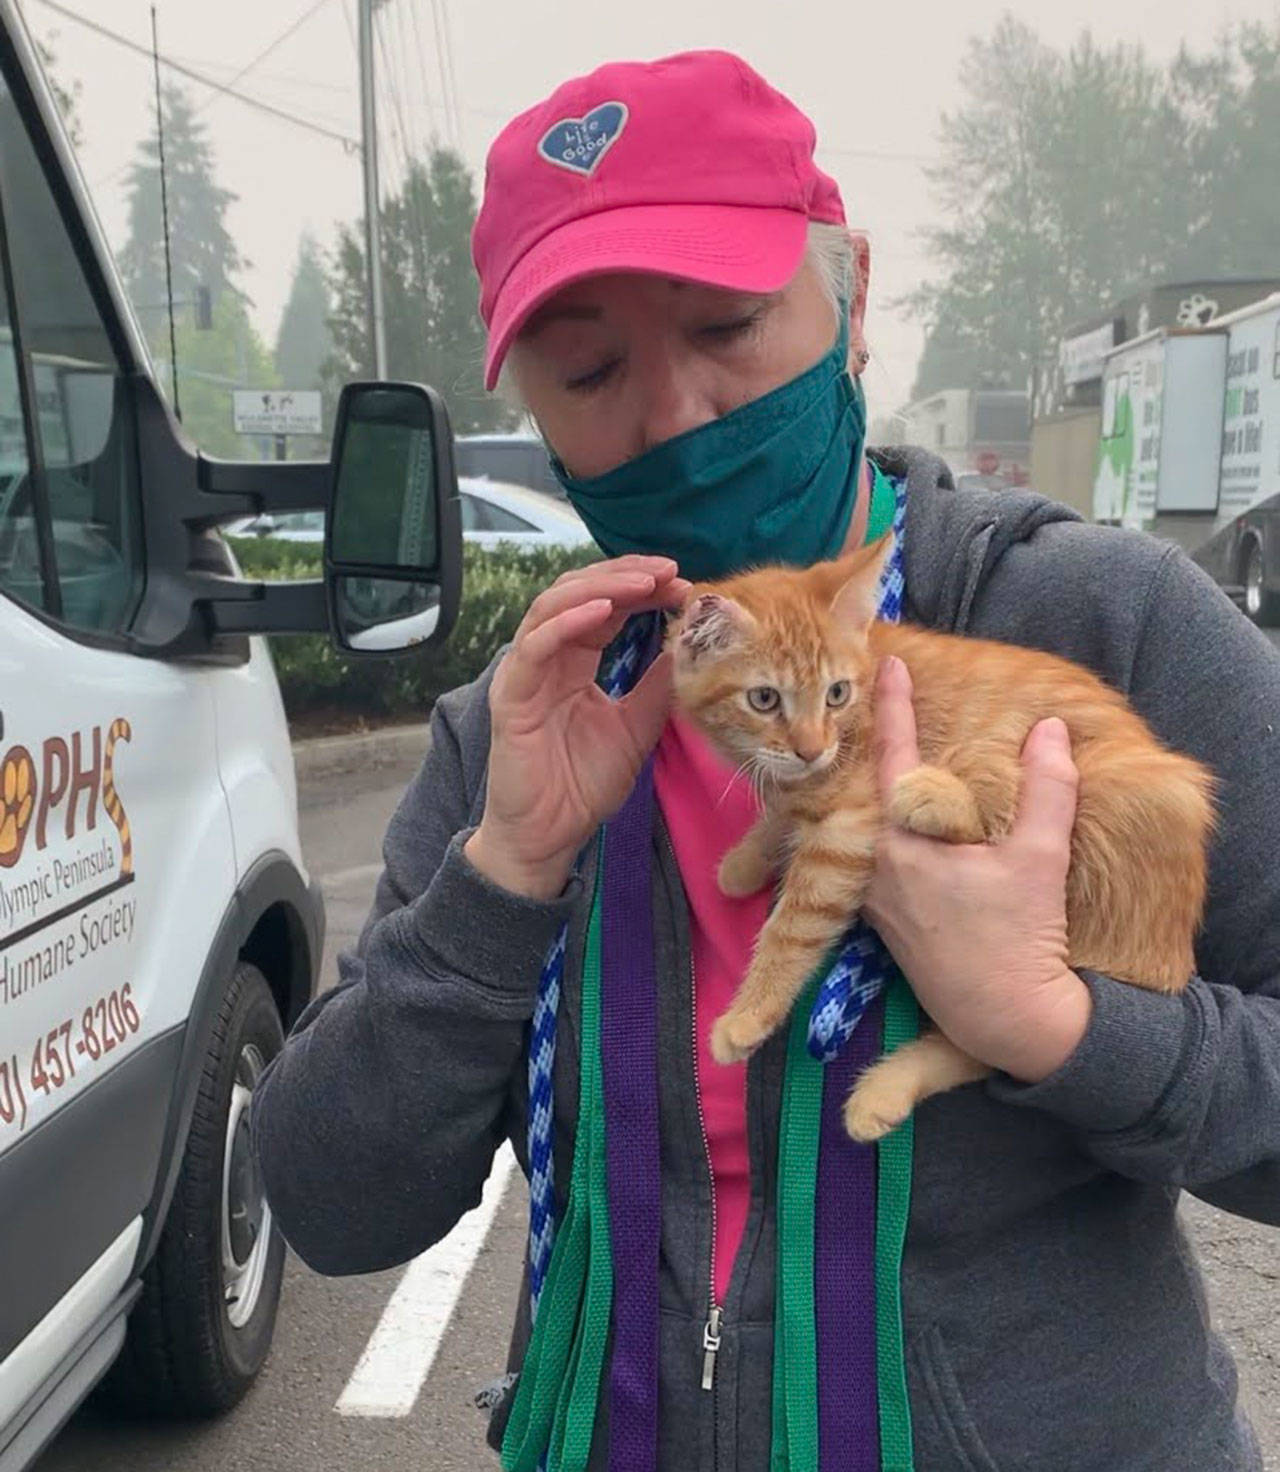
{"x":776,"y":667}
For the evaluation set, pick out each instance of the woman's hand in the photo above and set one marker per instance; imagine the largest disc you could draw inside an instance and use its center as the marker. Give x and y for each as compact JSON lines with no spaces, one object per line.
{"x":980,"y":930}
{"x":563,"y":756}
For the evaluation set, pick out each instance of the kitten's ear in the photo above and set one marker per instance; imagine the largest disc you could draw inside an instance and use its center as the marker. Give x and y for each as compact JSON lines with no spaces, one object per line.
{"x":857,"y":598}
{"x":713,"y":624}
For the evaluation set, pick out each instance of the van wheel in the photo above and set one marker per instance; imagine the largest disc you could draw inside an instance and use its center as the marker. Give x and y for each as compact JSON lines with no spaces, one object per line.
{"x":1261,"y":605}
{"x":201,"y":1329}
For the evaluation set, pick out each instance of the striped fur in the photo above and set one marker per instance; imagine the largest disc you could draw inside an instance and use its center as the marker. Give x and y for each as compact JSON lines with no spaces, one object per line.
{"x":1136,"y":885}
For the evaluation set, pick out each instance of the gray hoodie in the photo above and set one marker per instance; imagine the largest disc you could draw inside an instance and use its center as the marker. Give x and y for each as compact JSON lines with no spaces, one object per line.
{"x":1055,"y":1316}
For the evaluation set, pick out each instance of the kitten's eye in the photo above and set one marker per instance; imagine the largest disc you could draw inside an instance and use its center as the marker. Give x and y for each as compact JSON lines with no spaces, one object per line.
{"x":763,"y":698}
{"x":839,"y":694}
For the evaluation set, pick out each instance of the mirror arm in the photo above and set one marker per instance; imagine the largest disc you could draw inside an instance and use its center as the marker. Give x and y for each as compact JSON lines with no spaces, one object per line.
{"x":271,"y":608}
{"x":276,"y":485}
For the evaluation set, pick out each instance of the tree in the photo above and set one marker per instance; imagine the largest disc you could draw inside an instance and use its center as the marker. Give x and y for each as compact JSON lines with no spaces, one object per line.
{"x":229,"y":354}
{"x":1230,"y":105}
{"x":212,"y":363}
{"x":66,"y":95}
{"x":433,"y":331}
{"x":204,"y":254}
{"x":304,"y":342}
{"x":1065,"y":182}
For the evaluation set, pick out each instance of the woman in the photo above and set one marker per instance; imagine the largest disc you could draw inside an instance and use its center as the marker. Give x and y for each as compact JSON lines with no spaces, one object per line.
{"x":671,"y":290}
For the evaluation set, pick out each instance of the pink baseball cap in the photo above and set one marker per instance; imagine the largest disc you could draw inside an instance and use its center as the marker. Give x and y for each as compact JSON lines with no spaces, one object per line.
{"x":691,"y":167}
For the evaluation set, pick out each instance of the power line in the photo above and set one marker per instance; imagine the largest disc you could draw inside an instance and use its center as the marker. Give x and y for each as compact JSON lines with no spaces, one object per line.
{"x":453,"y":76}
{"x":262,"y":55}
{"x":413,"y":71}
{"x":205,"y":81}
{"x":422,"y":72}
{"x":923,"y":159}
{"x":446,"y":88}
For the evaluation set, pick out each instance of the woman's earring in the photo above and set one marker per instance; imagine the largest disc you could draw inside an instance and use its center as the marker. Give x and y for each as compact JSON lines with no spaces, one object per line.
{"x":863,"y":357}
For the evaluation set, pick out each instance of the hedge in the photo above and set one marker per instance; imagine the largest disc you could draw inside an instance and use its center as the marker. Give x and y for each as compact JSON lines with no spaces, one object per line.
{"x":497,"y":587}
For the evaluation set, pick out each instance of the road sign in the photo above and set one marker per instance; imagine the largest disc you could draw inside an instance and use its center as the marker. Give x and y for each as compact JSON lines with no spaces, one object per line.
{"x":276,"y":411}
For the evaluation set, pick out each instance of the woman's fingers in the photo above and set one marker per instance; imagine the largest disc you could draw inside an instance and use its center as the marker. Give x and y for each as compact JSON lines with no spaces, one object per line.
{"x":661,"y":568}
{"x":621,"y":586}
{"x":895,"y":726}
{"x":526,"y":664}
{"x":1050,"y":786}
{"x":629,"y":589}
{"x":645,"y":709}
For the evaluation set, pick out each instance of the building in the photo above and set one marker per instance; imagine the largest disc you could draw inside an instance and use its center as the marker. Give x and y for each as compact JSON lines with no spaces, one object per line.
{"x":976,"y":431}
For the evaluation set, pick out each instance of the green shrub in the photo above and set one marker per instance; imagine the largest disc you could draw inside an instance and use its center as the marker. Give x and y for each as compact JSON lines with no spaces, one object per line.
{"x":497,"y":587}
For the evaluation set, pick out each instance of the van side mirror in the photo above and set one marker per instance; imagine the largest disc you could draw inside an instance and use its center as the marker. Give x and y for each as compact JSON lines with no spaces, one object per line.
{"x":393,"y":540}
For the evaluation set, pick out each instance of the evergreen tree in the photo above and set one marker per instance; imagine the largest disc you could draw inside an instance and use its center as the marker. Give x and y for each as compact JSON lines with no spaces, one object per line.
{"x":433,"y":330}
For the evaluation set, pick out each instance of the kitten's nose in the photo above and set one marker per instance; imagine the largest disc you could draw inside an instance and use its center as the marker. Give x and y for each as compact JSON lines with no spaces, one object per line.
{"x":808,"y":745}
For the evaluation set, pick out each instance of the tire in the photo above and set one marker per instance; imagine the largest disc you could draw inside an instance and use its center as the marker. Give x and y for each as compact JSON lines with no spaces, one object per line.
{"x":189,"y":1350}
{"x":1261,"y":605}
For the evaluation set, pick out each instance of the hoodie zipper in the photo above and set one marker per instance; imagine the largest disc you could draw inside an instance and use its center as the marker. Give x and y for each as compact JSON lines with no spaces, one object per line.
{"x":712,"y":1328}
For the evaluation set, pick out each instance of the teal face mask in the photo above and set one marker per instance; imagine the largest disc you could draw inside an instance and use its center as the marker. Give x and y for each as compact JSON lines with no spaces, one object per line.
{"x":774,"y":481}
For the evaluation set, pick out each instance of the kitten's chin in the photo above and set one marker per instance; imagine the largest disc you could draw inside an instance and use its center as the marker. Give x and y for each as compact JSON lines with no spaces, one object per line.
{"x":797,"y":771}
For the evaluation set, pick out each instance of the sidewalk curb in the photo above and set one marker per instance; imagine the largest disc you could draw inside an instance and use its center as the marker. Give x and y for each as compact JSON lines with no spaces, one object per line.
{"x":323,"y":756}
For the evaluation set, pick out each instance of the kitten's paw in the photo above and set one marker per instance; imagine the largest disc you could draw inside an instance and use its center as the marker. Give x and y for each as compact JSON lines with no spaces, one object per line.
{"x":739,"y":1032}
{"x":880,"y":1101}
{"x":937,"y":804}
{"x":742,"y":872}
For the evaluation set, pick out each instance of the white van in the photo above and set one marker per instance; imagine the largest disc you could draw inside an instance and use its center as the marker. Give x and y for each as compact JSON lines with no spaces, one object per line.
{"x":158,"y":932}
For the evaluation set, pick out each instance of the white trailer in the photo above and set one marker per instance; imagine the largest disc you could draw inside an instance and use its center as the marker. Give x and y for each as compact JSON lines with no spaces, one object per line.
{"x":1190,"y":447}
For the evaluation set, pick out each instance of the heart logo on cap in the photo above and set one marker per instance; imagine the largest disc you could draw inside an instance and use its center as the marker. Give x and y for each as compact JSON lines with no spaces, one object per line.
{"x":578,"y":144}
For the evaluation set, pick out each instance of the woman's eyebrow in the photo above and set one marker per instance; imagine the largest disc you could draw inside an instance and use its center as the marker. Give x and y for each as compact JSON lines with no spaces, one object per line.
{"x":560,"y":311}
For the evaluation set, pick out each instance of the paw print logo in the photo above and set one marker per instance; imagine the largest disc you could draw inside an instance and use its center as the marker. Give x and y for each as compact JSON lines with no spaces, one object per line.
{"x":17,"y":798}
{"x":1197,"y":310}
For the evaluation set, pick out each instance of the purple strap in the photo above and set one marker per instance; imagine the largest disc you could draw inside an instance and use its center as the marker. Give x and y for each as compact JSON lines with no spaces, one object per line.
{"x":629,"y":1052}
{"x":844,"y":1287}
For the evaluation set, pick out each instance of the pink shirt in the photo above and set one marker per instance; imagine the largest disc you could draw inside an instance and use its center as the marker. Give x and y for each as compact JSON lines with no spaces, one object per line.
{"x":707,"y":810}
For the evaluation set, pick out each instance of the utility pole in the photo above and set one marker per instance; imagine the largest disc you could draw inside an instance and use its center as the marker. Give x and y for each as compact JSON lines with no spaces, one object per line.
{"x":372,"y":231}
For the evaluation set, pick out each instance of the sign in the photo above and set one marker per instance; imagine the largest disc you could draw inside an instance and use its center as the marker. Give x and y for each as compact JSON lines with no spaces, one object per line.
{"x":1081,"y":357}
{"x":276,"y":411}
{"x":1124,"y":486}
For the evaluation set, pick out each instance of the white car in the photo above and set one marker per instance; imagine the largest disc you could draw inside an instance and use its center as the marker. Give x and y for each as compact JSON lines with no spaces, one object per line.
{"x":493,"y":514}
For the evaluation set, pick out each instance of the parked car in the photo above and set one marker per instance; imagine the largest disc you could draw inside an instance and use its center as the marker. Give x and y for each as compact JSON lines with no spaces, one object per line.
{"x":513,"y":459}
{"x":493,"y":514}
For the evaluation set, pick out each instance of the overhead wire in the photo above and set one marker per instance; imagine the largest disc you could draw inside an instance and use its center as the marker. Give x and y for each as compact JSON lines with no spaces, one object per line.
{"x":204,"y":80}
{"x":290,"y":30}
{"x":446,"y":91}
{"x":421,"y":50}
{"x":411,"y":195}
{"x":453,"y":76}
{"x":414,"y":68}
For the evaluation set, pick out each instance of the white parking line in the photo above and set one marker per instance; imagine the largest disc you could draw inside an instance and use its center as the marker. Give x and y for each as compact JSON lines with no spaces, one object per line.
{"x":400,"y":1351}
{"x":348,"y":876}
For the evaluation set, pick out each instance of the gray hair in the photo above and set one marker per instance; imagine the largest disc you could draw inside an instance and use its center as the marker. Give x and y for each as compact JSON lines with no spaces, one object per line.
{"x":828,"y":249}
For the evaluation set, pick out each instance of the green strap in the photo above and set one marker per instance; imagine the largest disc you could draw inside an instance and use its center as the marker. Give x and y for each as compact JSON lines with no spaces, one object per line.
{"x":555,"y":1401}
{"x":795,"y":1376}
{"x":795,"y":1356}
{"x":884,"y":505}
{"x":893,"y":1203}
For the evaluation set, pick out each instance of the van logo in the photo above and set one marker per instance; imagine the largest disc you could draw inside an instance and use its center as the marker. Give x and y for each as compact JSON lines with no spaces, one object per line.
{"x":83,"y":768}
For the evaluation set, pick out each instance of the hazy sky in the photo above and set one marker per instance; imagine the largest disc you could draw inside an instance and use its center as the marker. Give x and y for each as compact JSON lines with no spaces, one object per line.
{"x":874,"y":77}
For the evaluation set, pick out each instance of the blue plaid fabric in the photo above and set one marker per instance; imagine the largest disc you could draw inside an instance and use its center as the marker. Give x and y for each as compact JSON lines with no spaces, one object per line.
{"x":855,"y":979}
{"x":863,"y":965}
{"x":621,"y":666}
